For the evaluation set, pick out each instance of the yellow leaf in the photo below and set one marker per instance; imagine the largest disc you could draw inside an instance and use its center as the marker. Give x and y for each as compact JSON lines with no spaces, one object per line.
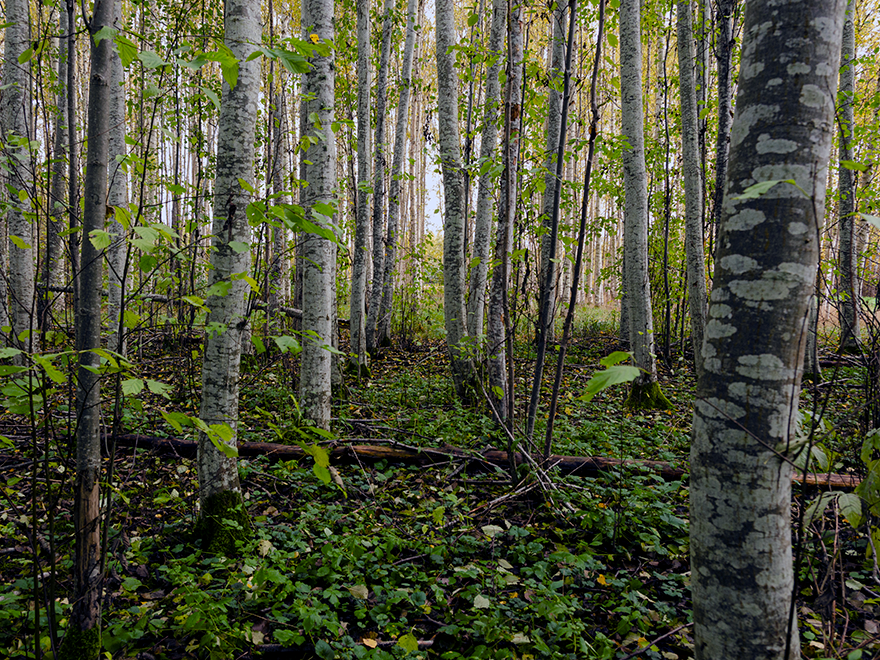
{"x":642,"y":642}
{"x":370,"y":643}
{"x":601,"y":580}
{"x":315,"y":39}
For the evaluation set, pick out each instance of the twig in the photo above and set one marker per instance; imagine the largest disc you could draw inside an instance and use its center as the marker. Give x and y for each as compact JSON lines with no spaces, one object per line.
{"x":652,"y":642}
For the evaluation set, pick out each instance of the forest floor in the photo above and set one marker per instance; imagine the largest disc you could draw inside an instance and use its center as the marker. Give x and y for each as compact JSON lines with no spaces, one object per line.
{"x":440,"y":561}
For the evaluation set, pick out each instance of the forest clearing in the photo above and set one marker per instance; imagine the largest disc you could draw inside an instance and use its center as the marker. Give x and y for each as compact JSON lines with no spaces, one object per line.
{"x":620,"y":399}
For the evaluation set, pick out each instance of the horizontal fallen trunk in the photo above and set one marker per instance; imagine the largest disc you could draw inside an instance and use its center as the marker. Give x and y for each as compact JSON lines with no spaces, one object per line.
{"x":348,"y":452}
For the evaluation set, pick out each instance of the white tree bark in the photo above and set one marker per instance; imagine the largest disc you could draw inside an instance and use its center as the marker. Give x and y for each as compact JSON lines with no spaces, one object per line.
{"x":554,"y":126}
{"x":693,"y":183}
{"x":15,"y":113}
{"x":453,"y":187}
{"x":318,"y":253}
{"x":496,"y":327}
{"x":848,"y":288}
{"x":397,"y":173}
{"x":379,"y":237}
{"x":747,"y":397}
{"x":279,"y":271}
{"x":117,"y":197}
{"x":363,"y":230}
{"x":645,"y":390}
{"x":488,"y":142}
{"x":230,"y":256}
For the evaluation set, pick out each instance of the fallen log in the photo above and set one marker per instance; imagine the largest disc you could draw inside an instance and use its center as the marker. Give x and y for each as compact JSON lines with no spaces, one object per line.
{"x":351,"y":452}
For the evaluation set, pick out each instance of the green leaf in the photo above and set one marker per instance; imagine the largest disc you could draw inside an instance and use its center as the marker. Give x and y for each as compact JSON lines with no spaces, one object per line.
{"x":602,"y":380}
{"x":106,"y":32}
{"x":851,"y":508}
{"x":157,"y":387}
{"x":7,"y":352}
{"x":322,"y":473}
{"x":759,"y":189}
{"x":481,"y":602}
{"x":100,"y":239}
{"x":127,"y":50}
{"x":873,"y":219}
{"x":612,"y":39}
{"x":408,"y":643}
{"x":287,"y":343}
{"x":151,"y":60}
{"x":19,"y":243}
{"x":324,"y":650}
{"x":132,"y":387}
{"x":238,"y":246}
{"x":615,"y":358}
{"x":817,"y":507}
{"x":854,"y":165}
{"x":26,"y":56}
{"x":472,"y":20}
{"x":212,"y":97}
{"x":219,"y":289}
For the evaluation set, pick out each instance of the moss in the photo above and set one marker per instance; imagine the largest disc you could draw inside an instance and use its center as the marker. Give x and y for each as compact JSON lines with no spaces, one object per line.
{"x":647,"y":396}
{"x":223,"y":522}
{"x":80,"y":644}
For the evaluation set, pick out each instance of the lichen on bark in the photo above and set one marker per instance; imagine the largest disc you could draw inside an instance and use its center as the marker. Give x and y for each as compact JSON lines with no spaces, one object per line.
{"x":647,"y":396}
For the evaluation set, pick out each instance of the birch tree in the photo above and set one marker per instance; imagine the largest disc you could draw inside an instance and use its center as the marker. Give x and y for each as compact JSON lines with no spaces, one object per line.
{"x":449,"y":144}
{"x":363,"y":230}
{"x":848,"y":288}
{"x":318,"y":200}
{"x":82,"y":639}
{"x":488,"y":142}
{"x":379,"y":183}
{"x":747,"y":396}
{"x":693,"y":183}
{"x":397,"y":173}
{"x":645,"y":392}
{"x":15,"y":102}
{"x":219,"y":490}
{"x":497,"y":334}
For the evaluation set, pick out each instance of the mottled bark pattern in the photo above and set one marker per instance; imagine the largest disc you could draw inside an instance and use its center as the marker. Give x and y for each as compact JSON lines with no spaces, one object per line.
{"x":318,"y":253}
{"x":15,"y":104}
{"x":235,"y":159}
{"x":363,"y":230}
{"x":453,"y":186}
{"x":485,"y":194}
{"x":693,"y":183}
{"x":747,"y":397}
{"x":496,"y":326}
{"x":397,"y":172}
{"x":635,"y":181}
{"x":848,"y":288}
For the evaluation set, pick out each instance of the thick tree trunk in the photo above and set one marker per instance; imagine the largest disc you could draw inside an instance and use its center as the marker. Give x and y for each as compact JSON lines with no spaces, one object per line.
{"x":497,"y":330}
{"x":379,"y":185}
{"x":488,"y":142}
{"x":693,"y":183}
{"x":15,"y":102}
{"x":848,"y":287}
{"x":83,"y":637}
{"x":219,"y":491}
{"x":318,"y":196}
{"x":747,"y":396}
{"x":363,"y":230}
{"x":645,"y":391}
{"x":397,"y":173}
{"x":453,"y":186}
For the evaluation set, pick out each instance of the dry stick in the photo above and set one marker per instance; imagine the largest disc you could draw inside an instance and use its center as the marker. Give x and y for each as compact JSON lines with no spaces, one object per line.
{"x":582,"y":230}
{"x":659,"y":639}
{"x":546,"y":304}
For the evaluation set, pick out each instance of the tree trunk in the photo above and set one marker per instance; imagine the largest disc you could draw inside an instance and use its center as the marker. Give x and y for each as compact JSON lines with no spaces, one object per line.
{"x":693,"y":184}
{"x":397,"y":174}
{"x":363,"y":229}
{"x":488,"y":142}
{"x":724,"y":18}
{"x":379,"y":185}
{"x":219,"y":490}
{"x":279,"y":273}
{"x":83,"y":637}
{"x":453,"y":186}
{"x":117,"y":198}
{"x":15,"y":103}
{"x":645,"y":392}
{"x":318,"y":197}
{"x":497,"y":326}
{"x":848,"y":288}
{"x":747,"y":395}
